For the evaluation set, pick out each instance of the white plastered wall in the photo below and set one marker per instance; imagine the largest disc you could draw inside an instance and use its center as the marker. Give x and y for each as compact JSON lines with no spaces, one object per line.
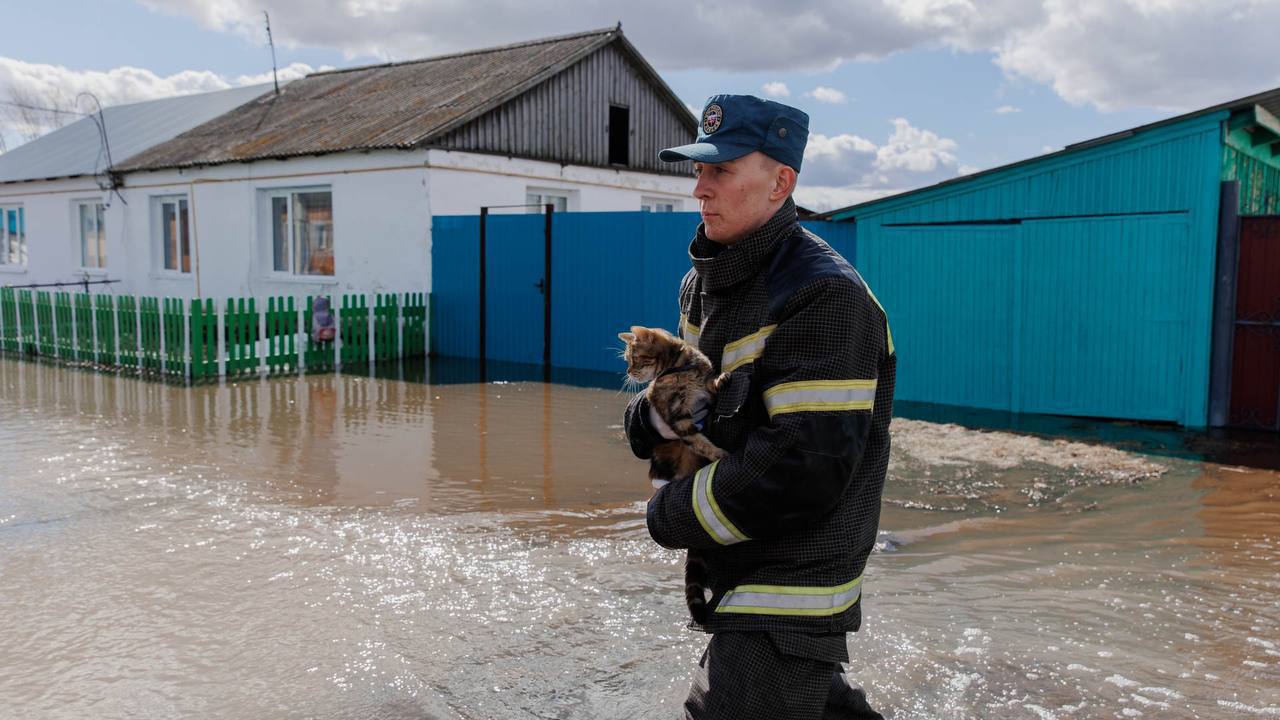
{"x":382,"y":207}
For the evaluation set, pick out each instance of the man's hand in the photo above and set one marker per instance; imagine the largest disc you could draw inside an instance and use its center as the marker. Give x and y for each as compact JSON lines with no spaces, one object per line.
{"x":657,"y":484}
{"x":700,"y":412}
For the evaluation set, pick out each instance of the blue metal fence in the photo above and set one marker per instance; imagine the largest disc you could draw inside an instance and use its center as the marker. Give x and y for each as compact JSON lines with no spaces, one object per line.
{"x":609,"y":271}
{"x":1077,"y":284}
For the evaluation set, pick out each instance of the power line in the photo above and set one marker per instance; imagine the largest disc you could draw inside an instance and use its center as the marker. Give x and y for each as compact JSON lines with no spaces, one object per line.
{"x":59,"y":111}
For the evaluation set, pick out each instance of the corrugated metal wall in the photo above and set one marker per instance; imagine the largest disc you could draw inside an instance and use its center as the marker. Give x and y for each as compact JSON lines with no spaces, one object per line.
{"x":1259,"y":181}
{"x":1047,"y":308}
{"x":609,"y":271}
{"x":566,"y":119}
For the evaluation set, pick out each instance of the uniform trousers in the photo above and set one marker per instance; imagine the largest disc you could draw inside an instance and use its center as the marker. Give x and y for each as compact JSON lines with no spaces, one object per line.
{"x":775,"y":676}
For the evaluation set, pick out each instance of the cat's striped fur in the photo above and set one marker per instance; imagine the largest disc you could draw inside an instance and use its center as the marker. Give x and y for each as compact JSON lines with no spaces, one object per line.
{"x":680,"y":378}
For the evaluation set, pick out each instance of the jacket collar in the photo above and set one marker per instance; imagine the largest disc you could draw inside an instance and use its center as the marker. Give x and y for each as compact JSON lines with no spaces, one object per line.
{"x":721,"y":267}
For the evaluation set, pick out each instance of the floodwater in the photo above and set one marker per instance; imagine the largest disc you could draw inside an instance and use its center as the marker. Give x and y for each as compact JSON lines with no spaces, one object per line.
{"x":350,"y":547}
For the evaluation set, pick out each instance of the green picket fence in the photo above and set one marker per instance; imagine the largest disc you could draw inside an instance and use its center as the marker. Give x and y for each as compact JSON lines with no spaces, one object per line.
{"x":44,"y":323}
{"x":27,"y":322}
{"x":8,"y":320}
{"x":106,"y":327}
{"x":415,"y":324}
{"x":64,"y":328}
{"x":281,"y":335}
{"x":204,"y":340}
{"x":84,"y":327}
{"x":354,"y":330}
{"x":127,"y":324}
{"x":318,"y":355}
{"x":193,"y":340}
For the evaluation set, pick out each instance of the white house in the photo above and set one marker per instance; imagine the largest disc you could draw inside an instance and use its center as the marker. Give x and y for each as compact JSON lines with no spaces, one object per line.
{"x":330,"y":185}
{"x":57,"y":221}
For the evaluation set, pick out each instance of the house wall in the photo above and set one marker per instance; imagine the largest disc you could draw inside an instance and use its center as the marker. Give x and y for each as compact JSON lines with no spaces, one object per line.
{"x":1257,"y":170}
{"x":566,"y":118}
{"x":462,"y":182}
{"x":53,"y":252}
{"x":1079,"y":284}
{"x":382,"y":208}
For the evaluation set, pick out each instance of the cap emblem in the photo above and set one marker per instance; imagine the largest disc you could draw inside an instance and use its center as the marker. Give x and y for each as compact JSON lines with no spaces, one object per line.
{"x":711,"y":118}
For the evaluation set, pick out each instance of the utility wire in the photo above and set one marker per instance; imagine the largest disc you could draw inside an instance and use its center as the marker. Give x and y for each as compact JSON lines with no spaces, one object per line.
{"x":59,"y":111}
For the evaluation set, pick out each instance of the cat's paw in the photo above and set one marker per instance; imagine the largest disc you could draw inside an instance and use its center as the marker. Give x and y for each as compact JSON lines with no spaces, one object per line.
{"x":718,"y":382}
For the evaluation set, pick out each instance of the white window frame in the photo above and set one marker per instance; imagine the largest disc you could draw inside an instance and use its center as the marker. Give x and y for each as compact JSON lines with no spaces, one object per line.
{"x":267,"y":233}
{"x":7,"y":239}
{"x":537,"y":197}
{"x":157,"y":235}
{"x":77,"y":236}
{"x":661,"y":204}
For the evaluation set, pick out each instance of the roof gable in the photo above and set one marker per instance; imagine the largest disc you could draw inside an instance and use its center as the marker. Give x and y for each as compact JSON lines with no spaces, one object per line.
{"x":390,"y":106}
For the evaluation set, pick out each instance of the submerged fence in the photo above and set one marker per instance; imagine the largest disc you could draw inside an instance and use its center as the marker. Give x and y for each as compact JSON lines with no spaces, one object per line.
{"x":198,"y":339}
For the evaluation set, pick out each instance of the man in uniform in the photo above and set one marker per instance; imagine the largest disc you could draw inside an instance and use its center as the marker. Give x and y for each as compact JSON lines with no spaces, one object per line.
{"x":785,"y":521}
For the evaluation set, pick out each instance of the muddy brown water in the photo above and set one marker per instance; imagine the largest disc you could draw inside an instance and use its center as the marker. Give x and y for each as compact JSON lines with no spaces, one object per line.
{"x":348,"y":547}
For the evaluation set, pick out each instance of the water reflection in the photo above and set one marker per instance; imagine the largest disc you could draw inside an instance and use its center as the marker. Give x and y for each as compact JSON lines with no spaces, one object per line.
{"x":357,"y":546}
{"x":342,"y":439}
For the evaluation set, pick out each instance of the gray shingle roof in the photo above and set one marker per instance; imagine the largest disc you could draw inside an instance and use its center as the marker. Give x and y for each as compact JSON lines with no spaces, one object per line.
{"x":391,"y":106}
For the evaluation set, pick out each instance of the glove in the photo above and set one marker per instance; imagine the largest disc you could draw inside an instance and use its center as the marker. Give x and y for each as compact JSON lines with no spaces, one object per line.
{"x":700,"y":412}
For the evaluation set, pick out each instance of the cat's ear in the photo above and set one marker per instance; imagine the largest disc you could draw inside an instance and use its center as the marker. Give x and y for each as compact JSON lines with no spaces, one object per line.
{"x":627,"y":338}
{"x":639,"y":330}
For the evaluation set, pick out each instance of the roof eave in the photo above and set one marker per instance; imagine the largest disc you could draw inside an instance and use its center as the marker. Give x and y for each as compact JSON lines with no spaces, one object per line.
{"x":848,"y":212}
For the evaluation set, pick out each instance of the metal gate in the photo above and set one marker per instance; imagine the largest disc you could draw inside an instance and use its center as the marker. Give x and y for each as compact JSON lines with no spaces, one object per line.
{"x":496,"y":279}
{"x":611,"y":270}
{"x":1255,"y":359}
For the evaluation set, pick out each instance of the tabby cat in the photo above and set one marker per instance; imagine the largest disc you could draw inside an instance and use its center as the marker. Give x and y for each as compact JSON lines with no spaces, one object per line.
{"x":681,"y":377}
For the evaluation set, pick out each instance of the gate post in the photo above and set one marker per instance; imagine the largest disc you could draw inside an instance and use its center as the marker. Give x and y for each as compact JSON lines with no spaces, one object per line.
{"x":546,"y":299}
{"x":1224,"y":303}
{"x":484,"y":217}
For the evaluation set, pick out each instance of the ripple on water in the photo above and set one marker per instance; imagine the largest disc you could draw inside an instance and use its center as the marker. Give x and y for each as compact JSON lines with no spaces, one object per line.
{"x":172,"y":552}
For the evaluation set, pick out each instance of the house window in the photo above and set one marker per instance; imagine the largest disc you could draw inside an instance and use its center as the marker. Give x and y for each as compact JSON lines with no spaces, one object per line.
{"x":300,"y":224}
{"x":93,"y":235}
{"x":13,"y":236}
{"x":619,"y":135}
{"x":536,"y":198}
{"x":172,"y":231}
{"x":651,"y":204}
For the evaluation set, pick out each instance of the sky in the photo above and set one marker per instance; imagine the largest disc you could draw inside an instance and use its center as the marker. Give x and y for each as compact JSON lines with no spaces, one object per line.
{"x":900,"y":93}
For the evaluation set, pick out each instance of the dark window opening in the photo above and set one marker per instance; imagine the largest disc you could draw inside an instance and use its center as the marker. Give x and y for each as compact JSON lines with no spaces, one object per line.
{"x":619,"y":134}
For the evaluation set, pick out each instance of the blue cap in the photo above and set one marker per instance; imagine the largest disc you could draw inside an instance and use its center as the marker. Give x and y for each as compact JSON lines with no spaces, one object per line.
{"x":736,"y":125}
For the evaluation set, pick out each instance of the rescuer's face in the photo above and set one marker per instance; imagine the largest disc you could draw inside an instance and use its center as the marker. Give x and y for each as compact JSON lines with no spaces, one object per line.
{"x":738,"y":196}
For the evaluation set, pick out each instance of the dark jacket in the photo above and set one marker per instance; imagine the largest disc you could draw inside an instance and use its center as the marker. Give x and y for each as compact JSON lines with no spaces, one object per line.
{"x":787,"y":520}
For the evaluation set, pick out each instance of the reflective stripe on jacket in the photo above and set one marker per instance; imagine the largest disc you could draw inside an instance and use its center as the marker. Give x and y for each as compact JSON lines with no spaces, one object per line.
{"x":788,"y":518}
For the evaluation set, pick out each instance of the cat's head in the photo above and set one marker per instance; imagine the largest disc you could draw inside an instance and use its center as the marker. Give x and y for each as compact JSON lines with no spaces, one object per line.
{"x":649,"y":351}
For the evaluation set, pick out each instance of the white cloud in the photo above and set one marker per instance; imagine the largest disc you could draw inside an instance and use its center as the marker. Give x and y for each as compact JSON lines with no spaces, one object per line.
{"x":841,"y":170}
{"x":1168,"y":54}
{"x":822,"y":199}
{"x":1175,"y":54}
{"x":776,"y":90}
{"x":61,"y":87}
{"x":913,"y":150}
{"x":1007,"y":109}
{"x":828,"y":95}
{"x":293,"y":71}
